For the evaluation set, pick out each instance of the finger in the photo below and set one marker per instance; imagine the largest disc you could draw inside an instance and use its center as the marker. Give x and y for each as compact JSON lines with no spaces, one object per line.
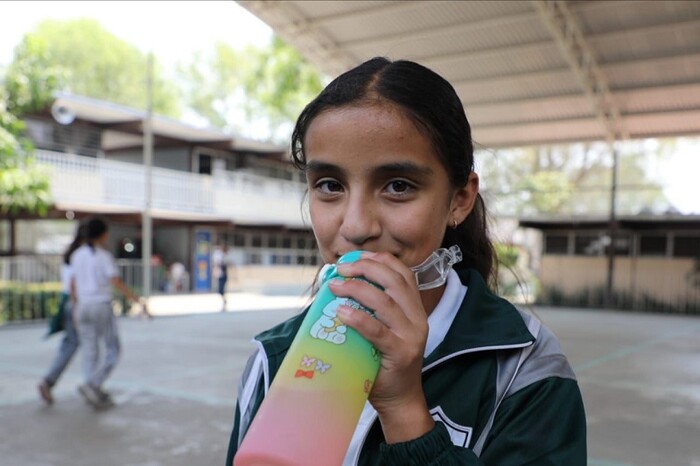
{"x":391,"y":274}
{"x":373,"y":330}
{"x":376,"y":272}
{"x":371,"y":297}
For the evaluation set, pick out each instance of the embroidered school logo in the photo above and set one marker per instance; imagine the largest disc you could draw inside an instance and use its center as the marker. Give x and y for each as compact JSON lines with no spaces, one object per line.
{"x":460,"y":435}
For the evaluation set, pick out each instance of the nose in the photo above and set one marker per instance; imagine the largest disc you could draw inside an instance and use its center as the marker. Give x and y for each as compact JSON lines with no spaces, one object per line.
{"x":360,"y":223}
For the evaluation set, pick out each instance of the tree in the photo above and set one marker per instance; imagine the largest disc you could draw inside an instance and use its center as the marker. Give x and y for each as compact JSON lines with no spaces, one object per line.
{"x":270,"y":83}
{"x":572,"y":179}
{"x":88,"y":60}
{"x":24,"y":186}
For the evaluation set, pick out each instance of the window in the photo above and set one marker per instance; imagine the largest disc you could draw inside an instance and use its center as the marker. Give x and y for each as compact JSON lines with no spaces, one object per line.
{"x":257,"y":241}
{"x":556,"y":244}
{"x":286,"y":242}
{"x":589,"y":245}
{"x":652,"y":245}
{"x":239,"y":239}
{"x":622,"y":245}
{"x":686,"y":246}
{"x":272,"y":241}
{"x":204,"y":164}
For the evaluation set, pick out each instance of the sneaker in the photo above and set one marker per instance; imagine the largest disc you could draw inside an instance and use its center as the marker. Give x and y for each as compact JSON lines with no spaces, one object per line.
{"x":92,"y":397}
{"x":45,"y":392}
{"x":104,"y":396}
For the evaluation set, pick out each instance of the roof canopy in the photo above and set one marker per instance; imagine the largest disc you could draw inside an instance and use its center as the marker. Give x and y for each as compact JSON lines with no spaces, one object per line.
{"x":527,"y":72}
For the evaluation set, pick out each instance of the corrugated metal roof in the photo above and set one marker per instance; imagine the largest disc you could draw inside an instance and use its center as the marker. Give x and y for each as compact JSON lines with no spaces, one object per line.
{"x":517,"y":78}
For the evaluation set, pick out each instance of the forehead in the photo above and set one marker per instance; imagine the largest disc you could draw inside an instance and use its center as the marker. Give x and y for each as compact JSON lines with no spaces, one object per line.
{"x":368,"y":131}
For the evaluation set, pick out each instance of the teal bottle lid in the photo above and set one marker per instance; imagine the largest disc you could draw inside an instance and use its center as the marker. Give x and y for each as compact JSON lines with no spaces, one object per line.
{"x":329,"y":270}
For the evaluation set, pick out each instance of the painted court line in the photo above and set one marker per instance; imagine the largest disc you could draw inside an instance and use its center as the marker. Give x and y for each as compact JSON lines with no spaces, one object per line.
{"x":632,"y":349}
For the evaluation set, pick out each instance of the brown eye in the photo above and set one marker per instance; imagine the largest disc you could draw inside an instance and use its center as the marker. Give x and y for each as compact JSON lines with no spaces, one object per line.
{"x":328,"y":186}
{"x":399,"y":187}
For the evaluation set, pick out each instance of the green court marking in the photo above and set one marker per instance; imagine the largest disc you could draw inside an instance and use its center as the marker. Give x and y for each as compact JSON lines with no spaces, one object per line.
{"x":627,"y":350}
{"x":602,"y":462}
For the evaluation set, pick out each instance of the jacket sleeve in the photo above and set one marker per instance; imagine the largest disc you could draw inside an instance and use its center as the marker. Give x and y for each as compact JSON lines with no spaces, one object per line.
{"x":250,"y":395}
{"x":541,"y":424}
{"x":233,"y":442}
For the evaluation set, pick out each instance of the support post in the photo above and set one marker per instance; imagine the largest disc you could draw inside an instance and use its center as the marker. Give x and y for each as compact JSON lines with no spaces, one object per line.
{"x":612,"y":230}
{"x":147,"y":228}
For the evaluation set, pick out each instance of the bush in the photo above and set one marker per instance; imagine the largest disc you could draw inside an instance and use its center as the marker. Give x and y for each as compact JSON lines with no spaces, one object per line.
{"x":26,"y":301}
{"x":595,"y":298}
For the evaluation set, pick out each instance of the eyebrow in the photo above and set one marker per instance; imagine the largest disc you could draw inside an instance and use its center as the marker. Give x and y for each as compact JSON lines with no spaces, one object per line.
{"x":408,"y":168}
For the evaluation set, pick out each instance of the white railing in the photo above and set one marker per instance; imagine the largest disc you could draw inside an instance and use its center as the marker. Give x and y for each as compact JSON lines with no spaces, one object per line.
{"x":238,"y":196}
{"x":47,"y":269}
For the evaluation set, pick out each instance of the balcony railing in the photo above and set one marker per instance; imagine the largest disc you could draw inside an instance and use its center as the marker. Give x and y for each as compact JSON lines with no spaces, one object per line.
{"x":238,"y":196}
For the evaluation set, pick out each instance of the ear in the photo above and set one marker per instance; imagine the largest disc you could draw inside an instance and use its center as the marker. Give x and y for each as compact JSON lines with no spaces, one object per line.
{"x":463,"y":200}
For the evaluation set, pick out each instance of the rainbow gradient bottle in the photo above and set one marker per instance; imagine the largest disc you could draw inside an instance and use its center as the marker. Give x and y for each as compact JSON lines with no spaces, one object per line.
{"x":312,"y":407}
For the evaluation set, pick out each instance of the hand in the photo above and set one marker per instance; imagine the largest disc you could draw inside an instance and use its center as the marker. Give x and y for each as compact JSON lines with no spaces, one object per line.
{"x":399,"y":332}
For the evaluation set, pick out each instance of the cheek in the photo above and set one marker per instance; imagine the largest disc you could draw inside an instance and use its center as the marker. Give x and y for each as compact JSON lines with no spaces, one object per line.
{"x":322,"y":223}
{"x":419,"y":231}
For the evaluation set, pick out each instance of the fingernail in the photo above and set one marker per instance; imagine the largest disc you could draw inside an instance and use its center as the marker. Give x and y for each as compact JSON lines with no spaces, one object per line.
{"x":336,"y":282}
{"x":343,"y":312}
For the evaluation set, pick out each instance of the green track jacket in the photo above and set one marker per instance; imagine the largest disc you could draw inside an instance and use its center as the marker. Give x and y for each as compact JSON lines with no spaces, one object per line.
{"x":498,"y":386}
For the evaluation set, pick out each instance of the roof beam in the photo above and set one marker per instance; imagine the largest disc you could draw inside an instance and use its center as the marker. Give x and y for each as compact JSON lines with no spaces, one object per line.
{"x":427,"y":33}
{"x":365,"y":11}
{"x":644,"y":100}
{"x":293,"y":26}
{"x":646,"y":30}
{"x":556,"y":15}
{"x":666,"y":61}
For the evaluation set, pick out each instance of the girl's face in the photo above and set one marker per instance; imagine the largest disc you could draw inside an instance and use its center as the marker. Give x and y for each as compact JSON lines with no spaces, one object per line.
{"x":376,"y":184}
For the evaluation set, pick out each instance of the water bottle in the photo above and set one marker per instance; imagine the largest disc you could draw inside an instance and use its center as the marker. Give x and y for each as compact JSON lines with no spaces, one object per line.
{"x":314,"y":403}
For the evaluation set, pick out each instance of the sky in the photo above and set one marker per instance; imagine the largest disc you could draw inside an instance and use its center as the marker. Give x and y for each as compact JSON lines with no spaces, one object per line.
{"x":171,"y":29}
{"x":176,"y":30}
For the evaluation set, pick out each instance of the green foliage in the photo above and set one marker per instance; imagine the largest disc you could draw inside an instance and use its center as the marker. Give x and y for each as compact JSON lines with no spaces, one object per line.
{"x":25,"y":301}
{"x":24,"y":186}
{"x":82,"y":57}
{"x":573,"y":179}
{"x":280,"y":81}
{"x":506,"y":254}
{"x":271,"y":83}
{"x":595,"y":298}
{"x":547,"y":191}
{"x":31,"y":78}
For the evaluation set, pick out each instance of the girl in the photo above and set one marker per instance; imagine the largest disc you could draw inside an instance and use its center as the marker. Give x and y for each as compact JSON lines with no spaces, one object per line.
{"x":94,"y":275}
{"x":465,"y":377}
{"x":69,"y":344}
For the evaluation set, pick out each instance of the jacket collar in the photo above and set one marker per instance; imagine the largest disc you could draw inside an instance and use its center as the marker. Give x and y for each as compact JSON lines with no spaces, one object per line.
{"x":484,"y":322}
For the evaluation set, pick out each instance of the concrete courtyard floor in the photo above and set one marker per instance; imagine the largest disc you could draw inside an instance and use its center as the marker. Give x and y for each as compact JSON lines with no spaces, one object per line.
{"x":175,"y":387}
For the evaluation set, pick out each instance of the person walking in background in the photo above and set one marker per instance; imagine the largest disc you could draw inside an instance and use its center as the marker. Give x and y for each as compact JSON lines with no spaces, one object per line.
{"x":94,"y":276}
{"x":221,"y":263}
{"x":63,"y":321}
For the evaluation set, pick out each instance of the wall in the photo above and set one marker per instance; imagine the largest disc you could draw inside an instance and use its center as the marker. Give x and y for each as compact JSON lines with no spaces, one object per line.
{"x":175,"y":158}
{"x":665,"y":279}
{"x":289,"y":280}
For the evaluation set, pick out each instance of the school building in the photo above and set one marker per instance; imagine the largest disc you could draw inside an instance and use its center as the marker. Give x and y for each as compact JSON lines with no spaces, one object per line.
{"x":656,"y":264}
{"x":207,"y":187}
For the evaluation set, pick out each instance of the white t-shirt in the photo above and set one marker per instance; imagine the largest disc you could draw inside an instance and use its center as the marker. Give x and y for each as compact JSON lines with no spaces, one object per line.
{"x":439,"y":322}
{"x":66,"y":275}
{"x":93,"y":270}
